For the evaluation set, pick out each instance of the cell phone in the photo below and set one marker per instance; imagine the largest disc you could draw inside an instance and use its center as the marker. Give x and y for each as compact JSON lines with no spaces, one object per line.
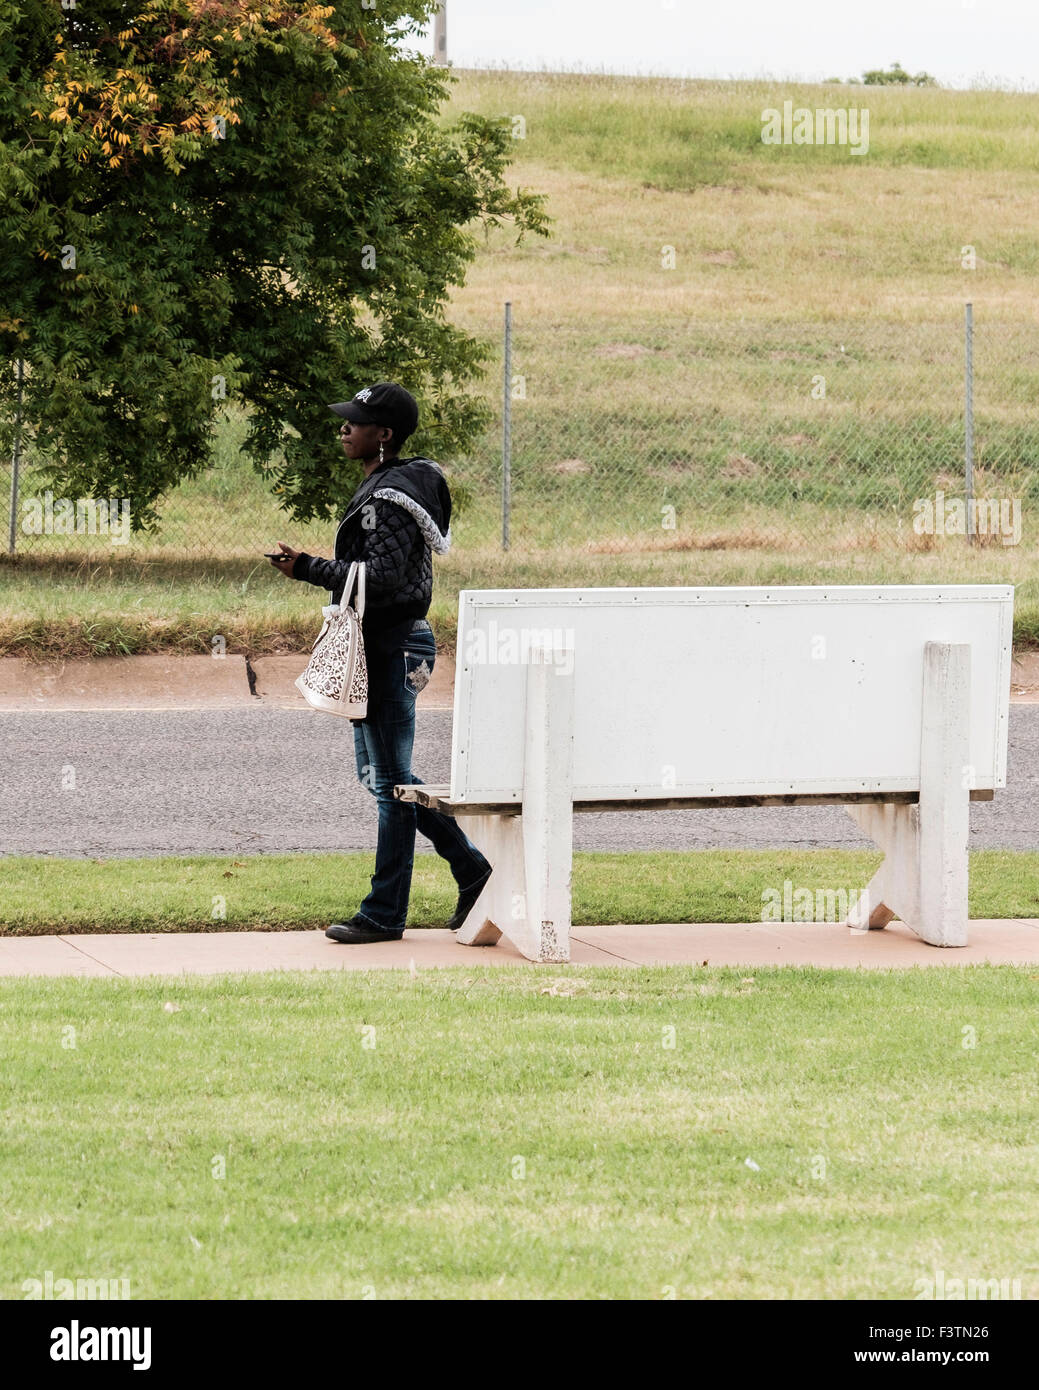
{"x":279,"y":556}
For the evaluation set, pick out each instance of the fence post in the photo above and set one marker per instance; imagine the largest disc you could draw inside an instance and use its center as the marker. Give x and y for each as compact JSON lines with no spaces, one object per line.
{"x":968,"y":433}
{"x":506,"y":436}
{"x":16,"y":459}
{"x":440,"y":35}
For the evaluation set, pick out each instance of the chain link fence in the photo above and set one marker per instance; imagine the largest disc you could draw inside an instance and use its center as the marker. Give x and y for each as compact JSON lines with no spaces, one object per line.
{"x":626,"y":434}
{"x":766,"y":434}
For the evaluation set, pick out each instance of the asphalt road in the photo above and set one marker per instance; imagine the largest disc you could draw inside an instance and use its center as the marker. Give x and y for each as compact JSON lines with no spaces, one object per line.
{"x":268,"y":780}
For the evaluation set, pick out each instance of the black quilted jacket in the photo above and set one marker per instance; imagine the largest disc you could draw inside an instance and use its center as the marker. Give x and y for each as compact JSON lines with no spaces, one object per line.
{"x":398,"y":516}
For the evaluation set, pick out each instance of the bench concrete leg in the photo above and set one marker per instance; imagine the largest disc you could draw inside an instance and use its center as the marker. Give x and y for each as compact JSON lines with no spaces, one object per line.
{"x":501,"y":846}
{"x":527,"y":897}
{"x":548,"y":807}
{"x":924,"y":876}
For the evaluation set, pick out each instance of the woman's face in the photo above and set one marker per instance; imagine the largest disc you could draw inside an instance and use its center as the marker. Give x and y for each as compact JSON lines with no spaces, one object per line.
{"x":362,"y":441}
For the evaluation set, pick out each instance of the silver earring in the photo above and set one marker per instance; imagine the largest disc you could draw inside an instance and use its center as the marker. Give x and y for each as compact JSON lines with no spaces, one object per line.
{"x":381,"y":459}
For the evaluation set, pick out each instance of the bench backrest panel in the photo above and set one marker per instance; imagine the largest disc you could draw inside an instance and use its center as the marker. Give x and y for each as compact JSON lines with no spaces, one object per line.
{"x":728,"y":691}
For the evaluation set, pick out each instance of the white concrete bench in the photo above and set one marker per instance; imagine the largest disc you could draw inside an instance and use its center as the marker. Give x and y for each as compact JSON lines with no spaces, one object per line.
{"x":891,"y":701}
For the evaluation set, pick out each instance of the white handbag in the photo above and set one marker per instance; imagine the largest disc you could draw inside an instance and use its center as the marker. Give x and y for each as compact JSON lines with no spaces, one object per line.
{"x":336,"y":678}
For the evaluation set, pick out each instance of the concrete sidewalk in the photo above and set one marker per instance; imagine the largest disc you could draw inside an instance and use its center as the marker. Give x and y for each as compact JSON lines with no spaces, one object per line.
{"x":752,"y":944}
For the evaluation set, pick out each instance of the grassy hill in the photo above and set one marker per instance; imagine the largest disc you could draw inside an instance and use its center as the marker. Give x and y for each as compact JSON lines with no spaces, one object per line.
{"x":691,"y":386}
{"x":629,"y":162}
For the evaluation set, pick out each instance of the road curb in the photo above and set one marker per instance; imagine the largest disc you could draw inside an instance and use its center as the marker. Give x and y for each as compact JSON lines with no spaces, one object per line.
{"x":170,"y":680}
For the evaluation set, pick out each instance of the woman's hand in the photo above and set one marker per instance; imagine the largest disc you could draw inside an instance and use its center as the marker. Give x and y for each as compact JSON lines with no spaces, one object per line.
{"x":288,"y":558}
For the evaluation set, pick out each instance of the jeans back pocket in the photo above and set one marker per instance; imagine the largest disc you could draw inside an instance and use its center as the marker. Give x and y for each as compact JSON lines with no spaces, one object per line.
{"x":419,"y":660}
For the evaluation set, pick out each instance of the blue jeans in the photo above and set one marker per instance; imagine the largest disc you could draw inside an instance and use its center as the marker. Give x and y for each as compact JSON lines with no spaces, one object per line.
{"x":382,"y":746}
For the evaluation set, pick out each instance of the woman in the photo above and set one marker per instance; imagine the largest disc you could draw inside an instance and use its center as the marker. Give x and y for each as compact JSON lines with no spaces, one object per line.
{"x":399,"y":515}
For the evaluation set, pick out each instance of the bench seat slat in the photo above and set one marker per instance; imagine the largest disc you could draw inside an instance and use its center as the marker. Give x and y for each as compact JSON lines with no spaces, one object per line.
{"x":438,"y":798}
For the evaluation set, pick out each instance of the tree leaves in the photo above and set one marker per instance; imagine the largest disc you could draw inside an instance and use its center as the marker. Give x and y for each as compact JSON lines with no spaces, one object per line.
{"x":218,"y":171}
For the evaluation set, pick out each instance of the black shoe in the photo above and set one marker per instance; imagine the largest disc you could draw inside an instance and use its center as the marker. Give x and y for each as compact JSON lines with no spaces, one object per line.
{"x":358,"y":932}
{"x":467,"y":901}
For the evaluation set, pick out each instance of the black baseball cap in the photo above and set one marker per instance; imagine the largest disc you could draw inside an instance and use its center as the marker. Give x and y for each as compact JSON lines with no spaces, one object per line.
{"x":385,"y":403}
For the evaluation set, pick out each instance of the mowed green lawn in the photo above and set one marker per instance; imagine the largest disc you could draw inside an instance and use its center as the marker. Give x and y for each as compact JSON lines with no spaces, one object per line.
{"x":39,"y":895}
{"x":515,"y":1133}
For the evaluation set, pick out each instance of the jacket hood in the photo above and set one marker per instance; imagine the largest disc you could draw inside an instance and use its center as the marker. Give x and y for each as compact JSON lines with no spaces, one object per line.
{"x":419,"y":486}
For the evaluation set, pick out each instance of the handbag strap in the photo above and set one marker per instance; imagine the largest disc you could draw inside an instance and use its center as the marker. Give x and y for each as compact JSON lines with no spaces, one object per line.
{"x":354,"y":576}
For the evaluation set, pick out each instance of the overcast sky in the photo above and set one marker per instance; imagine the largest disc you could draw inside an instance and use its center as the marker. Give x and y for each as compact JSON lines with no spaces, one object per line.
{"x":959,"y":41}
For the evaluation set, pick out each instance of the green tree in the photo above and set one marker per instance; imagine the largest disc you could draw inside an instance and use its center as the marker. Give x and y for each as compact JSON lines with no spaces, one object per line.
{"x":896,"y":76}
{"x":251,"y":200}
